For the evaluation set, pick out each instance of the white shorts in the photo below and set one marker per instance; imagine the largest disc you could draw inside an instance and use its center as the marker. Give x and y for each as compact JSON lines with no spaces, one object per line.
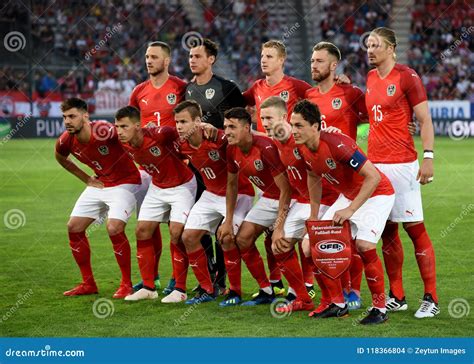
{"x":369,"y":220}
{"x":168,"y":204}
{"x":264,"y":212}
{"x":210,"y":209}
{"x":116,"y":202}
{"x":295,"y":221}
{"x":407,"y":206}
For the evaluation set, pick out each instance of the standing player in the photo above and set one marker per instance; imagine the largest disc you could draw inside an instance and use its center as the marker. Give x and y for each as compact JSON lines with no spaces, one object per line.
{"x":341,"y":106}
{"x":215,"y":95}
{"x":209,"y":158}
{"x":116,"y":179}
{"x":255,"y":157}
{"x":169,"y":198}
{"x":156,"y":98}
{"x":290,"y":89}
{"x":366,"y":198}
{"x":394,"y":93}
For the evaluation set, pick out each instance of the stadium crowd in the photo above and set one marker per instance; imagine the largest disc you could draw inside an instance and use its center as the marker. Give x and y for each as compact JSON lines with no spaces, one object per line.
{"x":106,"y":46}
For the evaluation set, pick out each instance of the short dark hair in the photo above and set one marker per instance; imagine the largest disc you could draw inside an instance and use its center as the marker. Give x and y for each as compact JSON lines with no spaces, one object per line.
{"x":74,"y":102}
{"x":190,"y":106}
{"x":130,"y":112}
{"x":164,"y":46}
{"x":330,"y":48}
{"x":210,"y":47}
{"x":240,"y":114}
{"x":309,"y":112}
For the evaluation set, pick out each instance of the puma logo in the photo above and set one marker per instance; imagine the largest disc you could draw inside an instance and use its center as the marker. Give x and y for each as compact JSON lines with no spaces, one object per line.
{"x":145,"y":101}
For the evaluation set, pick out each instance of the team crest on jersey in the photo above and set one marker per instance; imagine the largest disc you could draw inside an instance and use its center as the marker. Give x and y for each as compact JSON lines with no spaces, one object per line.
{"x":285,"y":95}
{"x":171,"y":99}
{"x":296,"y":153}
{"x":391,"y":90}
{"x":210,"y":92}
{"x":330,"y":163}
{"x":155,"y":151}
{"x":258,"y":165}
{"x":336,"y":103}
{"x":103,"y":149}
{"x":214,"y":155}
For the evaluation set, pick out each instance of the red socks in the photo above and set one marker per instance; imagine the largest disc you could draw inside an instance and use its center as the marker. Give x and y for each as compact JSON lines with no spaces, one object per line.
{"x":180,"y":265}
{"x":393,"y":258}
{"x":331,"y":289}
{"x":122,"y":255}
{"x":425,"y":257}
{"x":146,"y":262}
{"x":233,"y":267}
{"x":292,"y":271}
{"x":274,"y":269}
{"x":198,"y":262}
{"x":346,"y":281}
{"x":82,"y":254}
{"x":157,"y":247}
{"x":307,"y":269}
{"x":254,"y":263}
{"x":375,"y":277}
{"x":356,"y":269}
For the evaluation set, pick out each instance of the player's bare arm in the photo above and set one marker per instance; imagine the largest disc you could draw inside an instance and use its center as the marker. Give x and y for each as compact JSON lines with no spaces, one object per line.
{"x":371,"y":180}
{"x":281,"y":181}
{"x":422,"y":113}
{"x":72,"y":168}
{"x":231,"y":199}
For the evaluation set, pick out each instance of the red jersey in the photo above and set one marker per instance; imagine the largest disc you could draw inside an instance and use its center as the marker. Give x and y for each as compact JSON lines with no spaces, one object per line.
{"x":259,"y":165}
{"x":103,"y":153}
{"x":390,"y":103}
{"x":296,"y":170}
{"x":343,"y":107}
{"x":160,"y":157}
{"x":290,"y":89}
{"x":210,"y":160}
{"x":339,"y":159}
{"x":156,"y":104}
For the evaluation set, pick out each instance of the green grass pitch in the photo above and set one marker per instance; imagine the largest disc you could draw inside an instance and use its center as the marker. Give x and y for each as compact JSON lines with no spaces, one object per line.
{"x":36,"y":264}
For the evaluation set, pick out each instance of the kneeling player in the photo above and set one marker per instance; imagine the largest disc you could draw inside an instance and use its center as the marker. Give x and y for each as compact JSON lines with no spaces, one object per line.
{"x":209,"y":158}
{"x":256,"y":158}
{"x":111,"y":190}
{"x":169,"y":198}
{"x":366,"y":199}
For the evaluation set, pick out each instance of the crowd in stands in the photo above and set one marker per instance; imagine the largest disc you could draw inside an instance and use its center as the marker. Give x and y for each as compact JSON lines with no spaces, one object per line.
{"x":106,"y":41}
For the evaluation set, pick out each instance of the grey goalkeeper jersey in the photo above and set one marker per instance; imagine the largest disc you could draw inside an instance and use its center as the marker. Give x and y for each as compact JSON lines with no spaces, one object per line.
{"x":215,"y":97}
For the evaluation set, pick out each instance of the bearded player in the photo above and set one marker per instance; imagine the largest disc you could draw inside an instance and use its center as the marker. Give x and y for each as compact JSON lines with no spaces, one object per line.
{"x":169,"y":198}
{"x":366,"y":198}
{"x":110,"y":190}
{"x":156,"y":98}
{"x":394,"y":93}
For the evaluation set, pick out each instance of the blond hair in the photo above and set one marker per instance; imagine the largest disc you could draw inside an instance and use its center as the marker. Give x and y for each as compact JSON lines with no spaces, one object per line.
{"x":276,"y":44}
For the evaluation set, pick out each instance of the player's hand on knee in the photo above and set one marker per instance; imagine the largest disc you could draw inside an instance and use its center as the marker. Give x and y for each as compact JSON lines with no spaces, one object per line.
{"x":342,"y":215}
{"x":94,"y":182}
{"x":225,"y":231}
{"x":412,"y":128}
{"x":277,"y":234}
{"x":425,"y":174}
